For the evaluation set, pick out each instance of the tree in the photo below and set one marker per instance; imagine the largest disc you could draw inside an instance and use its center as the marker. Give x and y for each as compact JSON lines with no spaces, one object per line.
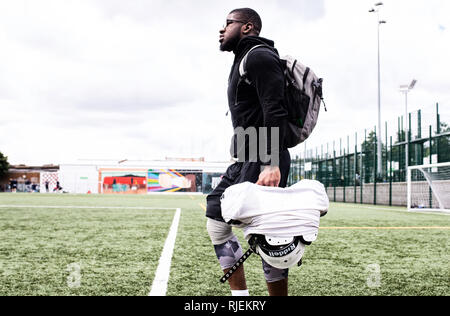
{"x":369,"y":150}
{"x":4,"y":165}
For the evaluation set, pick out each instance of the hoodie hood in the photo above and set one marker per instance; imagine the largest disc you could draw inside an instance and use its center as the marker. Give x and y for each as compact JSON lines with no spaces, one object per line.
{"x":248,"y":42}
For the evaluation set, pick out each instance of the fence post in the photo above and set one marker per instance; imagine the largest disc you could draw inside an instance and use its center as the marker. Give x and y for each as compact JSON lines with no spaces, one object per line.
{"x":430,"y":193}
{"x":438,"y":131}
{"x":363,"y":169}
{"x":375,"y":167}
{"x":408,"y":140}
{"x":386,"y":153}
{"x":420,"y":156}
{"x":349,"y":167}
{"x":290,"y":174}
{"x":438,"y":118}
{"x":390,"y":174}
{"x":334,"y":171}
{"x":328,"y":173}
{"x":316,"y":164}
{"x":355,"y":163}
{"x":304,"y":163}
{"x":343,"y":172}
{"x":419,"y":124}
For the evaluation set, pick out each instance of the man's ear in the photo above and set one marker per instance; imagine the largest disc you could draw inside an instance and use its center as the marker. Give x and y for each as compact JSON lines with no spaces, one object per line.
{"x":247,"y":28}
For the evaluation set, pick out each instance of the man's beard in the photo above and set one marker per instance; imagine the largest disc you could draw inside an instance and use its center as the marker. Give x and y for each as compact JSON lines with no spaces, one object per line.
{"x":230,"y":45}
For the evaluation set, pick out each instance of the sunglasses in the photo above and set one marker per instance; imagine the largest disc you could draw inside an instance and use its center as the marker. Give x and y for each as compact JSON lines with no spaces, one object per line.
{"x":228,"y":22}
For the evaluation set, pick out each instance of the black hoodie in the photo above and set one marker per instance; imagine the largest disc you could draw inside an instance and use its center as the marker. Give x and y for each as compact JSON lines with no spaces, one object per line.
{"x":260,"y":104}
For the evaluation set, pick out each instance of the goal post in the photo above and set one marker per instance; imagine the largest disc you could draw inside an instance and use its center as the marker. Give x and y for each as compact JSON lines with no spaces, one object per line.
{"x":428,"y":187}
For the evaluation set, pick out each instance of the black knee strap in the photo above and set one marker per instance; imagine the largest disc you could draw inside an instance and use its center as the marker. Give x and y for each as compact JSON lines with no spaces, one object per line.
{"x":233,"y":269}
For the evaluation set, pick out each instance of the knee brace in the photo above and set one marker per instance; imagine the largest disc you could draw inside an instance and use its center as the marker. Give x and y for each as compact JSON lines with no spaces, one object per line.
{"x":219,"y":232}
{"x":226,"y":245}
{"x":273,"y":274}
{"x":228,"y":253}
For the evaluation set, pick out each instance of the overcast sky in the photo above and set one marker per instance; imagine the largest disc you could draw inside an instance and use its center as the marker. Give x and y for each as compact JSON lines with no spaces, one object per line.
{"x":144,"y":79}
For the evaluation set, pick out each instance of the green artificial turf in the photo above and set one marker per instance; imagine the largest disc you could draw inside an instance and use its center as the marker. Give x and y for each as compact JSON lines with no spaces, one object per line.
{"x":71,"y":250}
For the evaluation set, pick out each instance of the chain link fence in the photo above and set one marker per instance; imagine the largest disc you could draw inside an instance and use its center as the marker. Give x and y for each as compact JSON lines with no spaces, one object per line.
{"x":348,"y":167}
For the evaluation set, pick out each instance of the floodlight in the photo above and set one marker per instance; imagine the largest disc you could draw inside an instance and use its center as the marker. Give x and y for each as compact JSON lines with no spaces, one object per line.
{"x":407,"y":88}
{"x":404,"y":88}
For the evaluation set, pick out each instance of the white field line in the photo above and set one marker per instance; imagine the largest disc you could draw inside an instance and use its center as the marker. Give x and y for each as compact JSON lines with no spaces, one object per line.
{"x":159,"y":286}
{"x":89,"y":207}
{"x":380,"y":208}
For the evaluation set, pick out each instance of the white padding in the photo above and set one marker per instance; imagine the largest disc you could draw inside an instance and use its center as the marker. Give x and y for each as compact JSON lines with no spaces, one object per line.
{"x":293,"y":211}
{"x":219,"y":232}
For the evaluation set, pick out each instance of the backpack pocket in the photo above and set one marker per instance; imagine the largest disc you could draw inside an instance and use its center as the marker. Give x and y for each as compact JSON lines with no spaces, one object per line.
{"x":297,"y":103}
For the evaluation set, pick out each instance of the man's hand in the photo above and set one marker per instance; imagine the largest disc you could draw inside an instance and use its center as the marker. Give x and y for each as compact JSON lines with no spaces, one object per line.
{"x":270,"y":177}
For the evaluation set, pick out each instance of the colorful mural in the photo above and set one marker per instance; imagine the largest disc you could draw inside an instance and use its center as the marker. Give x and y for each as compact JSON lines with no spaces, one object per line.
{"x":124,"y":181}
{"x":170,"y":180}
{"x":143,"y":181}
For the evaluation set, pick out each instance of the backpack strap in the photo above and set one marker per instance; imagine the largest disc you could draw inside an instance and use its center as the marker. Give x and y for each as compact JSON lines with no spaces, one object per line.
{"x":242,"y":70}
{"x":305,"y":76}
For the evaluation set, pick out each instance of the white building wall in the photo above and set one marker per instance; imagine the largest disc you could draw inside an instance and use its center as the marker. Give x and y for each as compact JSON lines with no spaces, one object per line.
{"x":79,"y":179}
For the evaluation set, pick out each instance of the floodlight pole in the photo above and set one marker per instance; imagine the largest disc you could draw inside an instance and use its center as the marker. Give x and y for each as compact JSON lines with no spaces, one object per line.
{"x":380,"y":158}
{"x":379,"y":146}
{"x":406,"y":130}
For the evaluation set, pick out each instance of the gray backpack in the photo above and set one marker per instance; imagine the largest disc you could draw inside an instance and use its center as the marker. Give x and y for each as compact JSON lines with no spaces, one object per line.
{"x":303,"y":97}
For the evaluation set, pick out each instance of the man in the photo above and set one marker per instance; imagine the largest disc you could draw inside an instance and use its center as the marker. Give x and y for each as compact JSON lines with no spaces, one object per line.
{"x":257,"y":104}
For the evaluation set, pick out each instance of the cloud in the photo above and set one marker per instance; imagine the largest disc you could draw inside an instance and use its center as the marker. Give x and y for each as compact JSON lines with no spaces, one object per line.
{"x":145,"y":78}
{"x":307,"y":10}
{"x":105,"y":62}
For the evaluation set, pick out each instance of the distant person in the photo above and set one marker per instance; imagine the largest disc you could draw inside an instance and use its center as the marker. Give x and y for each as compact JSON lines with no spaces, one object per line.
{"x":13,"y":185}
{"x":114,"y":185}
{"x":28,"y":185}
{"x":47,"y":184}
